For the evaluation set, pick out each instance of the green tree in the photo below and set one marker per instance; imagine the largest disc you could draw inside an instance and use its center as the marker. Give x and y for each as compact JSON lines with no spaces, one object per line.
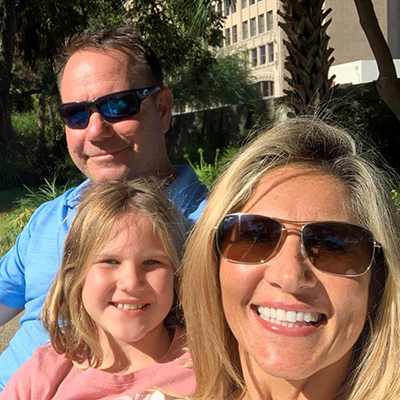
{"x":226,"y":81}
{"x":309,"y":57}
{"x":42,"y":26}
{"x":185,"y":34}
{"x":172,"y":31}
{"x":7,"y":32}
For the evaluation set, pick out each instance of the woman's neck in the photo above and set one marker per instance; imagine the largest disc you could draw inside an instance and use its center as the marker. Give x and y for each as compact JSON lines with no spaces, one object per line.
{"x":122,"y":358}
{"x":323,"y":384}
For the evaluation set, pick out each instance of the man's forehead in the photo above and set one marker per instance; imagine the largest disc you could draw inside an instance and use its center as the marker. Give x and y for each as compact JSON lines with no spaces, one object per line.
{"x":121,"y":59}
{"x":111,"y":69}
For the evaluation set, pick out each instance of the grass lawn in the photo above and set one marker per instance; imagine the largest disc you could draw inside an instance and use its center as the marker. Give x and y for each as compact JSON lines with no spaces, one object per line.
{"x":8,"y":211}
{"x":7,"y":198}
{"x":12,"y":217}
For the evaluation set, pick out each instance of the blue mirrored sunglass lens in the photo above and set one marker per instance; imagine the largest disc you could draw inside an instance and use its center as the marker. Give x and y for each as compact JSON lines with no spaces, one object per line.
{"x":74,"y":116}
{"x":117,"y":107}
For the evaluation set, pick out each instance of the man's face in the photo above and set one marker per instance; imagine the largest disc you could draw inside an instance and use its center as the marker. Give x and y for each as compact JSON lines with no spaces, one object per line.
{"x":129,"y":148}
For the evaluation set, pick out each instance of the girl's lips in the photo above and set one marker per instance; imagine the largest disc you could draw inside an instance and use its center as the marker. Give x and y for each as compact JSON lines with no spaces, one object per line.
{"x":129,"y":306}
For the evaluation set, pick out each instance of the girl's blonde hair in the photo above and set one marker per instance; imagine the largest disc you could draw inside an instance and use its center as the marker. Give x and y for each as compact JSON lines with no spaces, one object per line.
{"x":101,"y":207}
{"x":305,"y":142}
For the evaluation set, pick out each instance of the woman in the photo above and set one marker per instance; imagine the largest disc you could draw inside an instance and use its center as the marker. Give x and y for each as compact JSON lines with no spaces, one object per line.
{"x":291,"y":286}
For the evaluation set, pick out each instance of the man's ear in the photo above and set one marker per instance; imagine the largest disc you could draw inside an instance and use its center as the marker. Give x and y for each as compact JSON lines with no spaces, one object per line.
{"x":165,"y":99}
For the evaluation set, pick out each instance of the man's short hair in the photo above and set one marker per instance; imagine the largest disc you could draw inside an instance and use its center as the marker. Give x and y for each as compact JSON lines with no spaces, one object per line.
{"x":125,"y":39}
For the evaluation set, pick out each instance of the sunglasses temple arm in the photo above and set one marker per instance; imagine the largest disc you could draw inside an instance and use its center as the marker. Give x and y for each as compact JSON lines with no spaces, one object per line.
{"x":143,"y":94}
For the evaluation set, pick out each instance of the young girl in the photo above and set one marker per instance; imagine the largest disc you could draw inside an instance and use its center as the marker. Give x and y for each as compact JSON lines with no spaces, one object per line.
{"x":112,"y":314}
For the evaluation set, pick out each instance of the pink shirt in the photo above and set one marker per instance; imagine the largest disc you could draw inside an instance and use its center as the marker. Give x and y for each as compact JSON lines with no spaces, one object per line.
{"x":48,"y":375}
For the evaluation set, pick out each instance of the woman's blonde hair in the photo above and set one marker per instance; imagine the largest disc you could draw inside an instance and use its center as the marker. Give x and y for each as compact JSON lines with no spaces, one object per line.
{"x":101,"y":208}
{"x":306,"y":142}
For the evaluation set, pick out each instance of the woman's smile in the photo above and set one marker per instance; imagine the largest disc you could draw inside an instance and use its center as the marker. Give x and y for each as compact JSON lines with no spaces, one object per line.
{"x":291,"y":319}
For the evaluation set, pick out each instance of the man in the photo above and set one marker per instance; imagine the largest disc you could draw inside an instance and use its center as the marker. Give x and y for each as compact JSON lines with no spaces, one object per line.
{"x":116,"y":112}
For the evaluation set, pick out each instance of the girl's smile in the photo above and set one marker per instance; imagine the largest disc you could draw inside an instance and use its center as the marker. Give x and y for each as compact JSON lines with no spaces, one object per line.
{"x":129,"y":286}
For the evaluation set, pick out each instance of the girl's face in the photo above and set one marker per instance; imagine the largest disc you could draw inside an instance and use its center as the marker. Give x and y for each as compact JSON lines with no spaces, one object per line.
{"x":289,"y":283}
{"x":129,"y":287}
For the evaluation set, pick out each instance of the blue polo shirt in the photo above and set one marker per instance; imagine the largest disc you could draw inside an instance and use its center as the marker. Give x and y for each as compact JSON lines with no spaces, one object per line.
{"x":28,"y":269}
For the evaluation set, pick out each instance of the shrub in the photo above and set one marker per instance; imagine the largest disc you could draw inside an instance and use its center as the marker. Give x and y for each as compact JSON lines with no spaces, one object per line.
{"x":13,"y":222}
{"x":209,"y":172}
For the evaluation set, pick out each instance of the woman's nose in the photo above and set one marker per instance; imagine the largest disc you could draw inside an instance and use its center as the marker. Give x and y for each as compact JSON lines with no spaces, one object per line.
{"x":290,"y":270}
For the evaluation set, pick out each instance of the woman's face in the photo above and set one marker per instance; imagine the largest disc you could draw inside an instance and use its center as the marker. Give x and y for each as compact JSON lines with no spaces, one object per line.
{"x":289,"y":282}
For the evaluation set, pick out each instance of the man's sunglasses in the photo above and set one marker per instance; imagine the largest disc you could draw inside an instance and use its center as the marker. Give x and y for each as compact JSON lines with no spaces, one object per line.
{"x":112,"y":107}
{"x":338,"y":248}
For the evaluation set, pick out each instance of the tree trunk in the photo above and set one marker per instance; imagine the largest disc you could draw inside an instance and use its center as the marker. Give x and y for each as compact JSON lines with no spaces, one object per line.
{"x":52,"y":123}
{"x":309,"y":57}
{"x":41,"y":121}
{"x":387,"y":84}
{"x":6,"y":59}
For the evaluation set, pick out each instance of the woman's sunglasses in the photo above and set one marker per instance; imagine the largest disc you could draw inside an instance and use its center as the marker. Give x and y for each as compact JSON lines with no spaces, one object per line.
{"x":112,"y":107}
{"x":338,"y":248}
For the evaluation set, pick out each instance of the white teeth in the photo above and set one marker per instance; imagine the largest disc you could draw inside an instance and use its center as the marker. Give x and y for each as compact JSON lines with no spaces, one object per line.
{"x":129,"y":306}
{"x":291,"y":316}
{"x":290,"y":319}
{"x":307,"y":317}
{"x":281,"y":315}
{"x":299,"y":316}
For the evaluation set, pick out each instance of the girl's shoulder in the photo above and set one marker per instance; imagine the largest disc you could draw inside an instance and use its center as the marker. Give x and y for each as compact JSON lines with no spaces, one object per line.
{"x":46,"y":354}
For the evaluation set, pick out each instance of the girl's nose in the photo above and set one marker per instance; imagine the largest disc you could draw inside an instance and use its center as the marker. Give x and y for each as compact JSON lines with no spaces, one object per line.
{"x":130,"y":278}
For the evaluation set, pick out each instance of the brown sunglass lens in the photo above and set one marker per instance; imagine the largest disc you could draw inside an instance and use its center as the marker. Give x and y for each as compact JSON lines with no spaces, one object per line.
{"x":248,"y":238}
{"x":338,"y":248}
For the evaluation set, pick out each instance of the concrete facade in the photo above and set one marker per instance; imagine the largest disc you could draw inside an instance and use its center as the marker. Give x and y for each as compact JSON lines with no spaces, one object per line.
{"x":348,"y":38}
{"x":252,"y":26}
{"x":353,"y":56}
{"x":360,"y":71}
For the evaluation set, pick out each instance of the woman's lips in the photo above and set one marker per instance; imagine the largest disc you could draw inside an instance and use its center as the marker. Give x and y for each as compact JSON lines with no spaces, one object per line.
{"x":288,"y":318}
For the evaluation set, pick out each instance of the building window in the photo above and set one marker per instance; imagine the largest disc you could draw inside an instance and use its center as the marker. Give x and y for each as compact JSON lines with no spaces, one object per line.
{"x":270,"y":21}
{"x":251,"y":2}
{"x":262,"y":55}
{"x":227,"y":37}
{"x":219,"y":6}
{"x":245,"y":30}
{"x":227,"y":4}
{"x":261,"y":24}
{"x":233,"y":5}
{"x":234,"y":34}
{"x":270,"y":52}
{"x":253,"y":54}
{"x":267,"y":88}
{"x":253,"y":28}
{"x":244,"y":3}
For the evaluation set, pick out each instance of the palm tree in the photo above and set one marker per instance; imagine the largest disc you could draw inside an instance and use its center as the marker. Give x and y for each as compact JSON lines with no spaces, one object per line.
{"x":309,"y":58}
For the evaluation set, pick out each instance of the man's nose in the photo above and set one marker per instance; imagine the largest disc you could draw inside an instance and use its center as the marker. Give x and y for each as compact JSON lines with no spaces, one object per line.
{"x":98,"y":128}
{"x":290,"y":270}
